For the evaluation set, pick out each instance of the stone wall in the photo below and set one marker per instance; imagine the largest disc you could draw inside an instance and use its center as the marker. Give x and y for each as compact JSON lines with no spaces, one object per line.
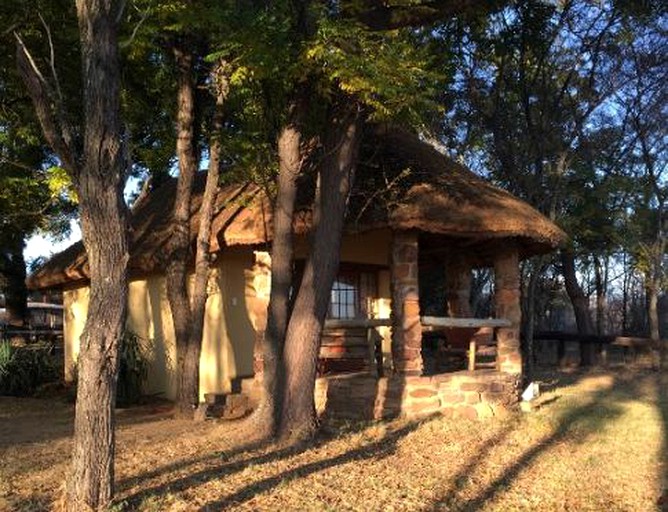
{"x":479,"y":394}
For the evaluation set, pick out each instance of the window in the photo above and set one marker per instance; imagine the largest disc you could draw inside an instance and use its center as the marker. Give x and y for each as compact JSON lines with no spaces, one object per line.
{"x":352,"y":293}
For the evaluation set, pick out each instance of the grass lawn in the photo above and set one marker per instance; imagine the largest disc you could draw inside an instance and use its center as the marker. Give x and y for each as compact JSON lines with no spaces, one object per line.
{"x":597,"y":442}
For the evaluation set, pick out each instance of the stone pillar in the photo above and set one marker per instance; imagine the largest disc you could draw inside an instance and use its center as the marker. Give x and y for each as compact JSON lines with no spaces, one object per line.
{"x":406,"y":327}
{"x":258,"y":287}
{"x":458,"y":288}
{"x":507,"y":302}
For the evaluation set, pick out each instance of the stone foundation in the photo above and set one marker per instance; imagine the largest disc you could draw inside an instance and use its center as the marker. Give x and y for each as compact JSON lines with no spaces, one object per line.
{"x":479,"y":394}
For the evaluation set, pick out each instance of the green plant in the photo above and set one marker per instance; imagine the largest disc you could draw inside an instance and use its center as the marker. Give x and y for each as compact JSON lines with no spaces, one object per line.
{"x":24,"y":369}
{"x":133,"y":369}
{"x":6,"y":358}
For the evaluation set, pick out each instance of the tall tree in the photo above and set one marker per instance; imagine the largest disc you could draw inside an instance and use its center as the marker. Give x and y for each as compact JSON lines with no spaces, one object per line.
{"x":179,"y":249}
{"x":367,"y":73}
{"x":642,"y":104}
{"x":537,"y":77}
{"x":33,"y":191}
{"x":98,"y":166}
{"x":188,"y":30}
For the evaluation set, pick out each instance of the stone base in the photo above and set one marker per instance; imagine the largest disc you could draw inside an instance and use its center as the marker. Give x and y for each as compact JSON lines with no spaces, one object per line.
{"x":473,"y":395}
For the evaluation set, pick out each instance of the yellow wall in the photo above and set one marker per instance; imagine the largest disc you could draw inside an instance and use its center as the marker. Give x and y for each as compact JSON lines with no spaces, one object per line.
{"x":227,"y":343}
{"x":382,"y":309}
{"x":371,"y":248}
{"x":75,"y":311}
{"x":237,"y":299}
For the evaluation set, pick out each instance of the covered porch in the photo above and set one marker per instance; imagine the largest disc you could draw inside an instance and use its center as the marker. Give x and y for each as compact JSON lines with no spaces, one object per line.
{"x":438,"y":214}
{"x":411,"y":387}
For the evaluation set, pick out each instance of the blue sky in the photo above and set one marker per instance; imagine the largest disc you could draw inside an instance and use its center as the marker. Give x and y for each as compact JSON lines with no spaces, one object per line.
{"x":44,"y":246}
{"x":40,"y":245}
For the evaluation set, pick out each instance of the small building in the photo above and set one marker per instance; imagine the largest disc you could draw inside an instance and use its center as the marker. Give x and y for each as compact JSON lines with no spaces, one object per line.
{"x":411,"y":206}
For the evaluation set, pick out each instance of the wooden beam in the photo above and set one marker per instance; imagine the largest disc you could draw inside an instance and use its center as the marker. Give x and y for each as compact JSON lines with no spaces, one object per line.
{"x":622,"y":341}
{"x":446,"y":322}
{"x":351,"y":323}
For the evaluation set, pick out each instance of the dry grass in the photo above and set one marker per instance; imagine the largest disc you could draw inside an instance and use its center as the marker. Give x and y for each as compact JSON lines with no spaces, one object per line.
{"x":596,"y":443}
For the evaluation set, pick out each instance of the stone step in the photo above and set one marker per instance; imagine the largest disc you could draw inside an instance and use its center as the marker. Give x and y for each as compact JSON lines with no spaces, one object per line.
{"x":227,"y":406}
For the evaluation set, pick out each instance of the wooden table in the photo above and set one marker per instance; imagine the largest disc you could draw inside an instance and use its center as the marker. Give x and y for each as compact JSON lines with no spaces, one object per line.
{"x":467,"y":326}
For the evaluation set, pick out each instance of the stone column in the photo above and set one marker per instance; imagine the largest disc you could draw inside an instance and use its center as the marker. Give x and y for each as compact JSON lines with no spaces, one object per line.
{"x":258,"y":287}
{"x":507,"y":302}
{"x":458,"y":288}
{"x":406,"y":327}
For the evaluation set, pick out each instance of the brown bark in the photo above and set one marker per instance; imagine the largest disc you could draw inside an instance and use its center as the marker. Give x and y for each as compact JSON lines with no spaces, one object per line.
{"x":600,"y":285}
{"x":179,"y":247}
{"x":98,"y":173}
{"x":202,"y":256}
{"x":103,"y":224}
{"x":282,"y":254}
{"x":102,"y":215}
{"x":653,"y":311}
{"x":580,"y":303}
{"x":302,"y":340}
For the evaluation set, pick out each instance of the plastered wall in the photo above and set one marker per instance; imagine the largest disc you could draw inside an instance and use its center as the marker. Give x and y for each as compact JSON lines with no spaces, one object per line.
{"x":227,"y":344}
{"x":234,"y":296}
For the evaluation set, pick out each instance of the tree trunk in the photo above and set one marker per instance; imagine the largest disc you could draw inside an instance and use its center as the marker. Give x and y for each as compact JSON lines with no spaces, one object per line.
{"x":652,"y":310}
{"x":13,"y":277}
{"x":302,"y":341}
{"x":282,"y":254}
{"x":99,"y":172}
{"x":103,"y":226}
{"x":625,"y":295}
{"x":103,"y":222}
{"x":179,"y":248}
{"x":529,"y":317}
{"x":202,"y":256}
{"x":600,"y":284}
{"x":580,"y":303}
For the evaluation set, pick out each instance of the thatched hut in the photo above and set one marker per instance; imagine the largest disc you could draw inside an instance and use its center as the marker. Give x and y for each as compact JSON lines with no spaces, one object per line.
{"x":411,"y":204}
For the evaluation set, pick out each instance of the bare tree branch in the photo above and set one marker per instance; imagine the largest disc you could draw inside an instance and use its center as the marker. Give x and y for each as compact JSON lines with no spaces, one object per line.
{"x":55,"y":128}
{"x":52,"y":58}
{"x":142,"y":19}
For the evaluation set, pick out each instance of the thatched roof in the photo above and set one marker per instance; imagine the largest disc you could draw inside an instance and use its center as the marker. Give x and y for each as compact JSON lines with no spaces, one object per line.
{"x":442,"y":197}
{"x":427,"y":191}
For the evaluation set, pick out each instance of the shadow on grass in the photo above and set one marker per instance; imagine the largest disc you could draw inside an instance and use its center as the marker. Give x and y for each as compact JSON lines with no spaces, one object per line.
{"x":36,"y":420}
{"x":377,"y":450}
{"x":31,"y":420}
{"x":577,"y":424}
{"x":182,"y":464}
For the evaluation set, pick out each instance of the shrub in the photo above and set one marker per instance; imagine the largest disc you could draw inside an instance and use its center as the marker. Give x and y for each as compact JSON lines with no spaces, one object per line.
{"x":133,"y":369}
{"x":24,"y":369}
